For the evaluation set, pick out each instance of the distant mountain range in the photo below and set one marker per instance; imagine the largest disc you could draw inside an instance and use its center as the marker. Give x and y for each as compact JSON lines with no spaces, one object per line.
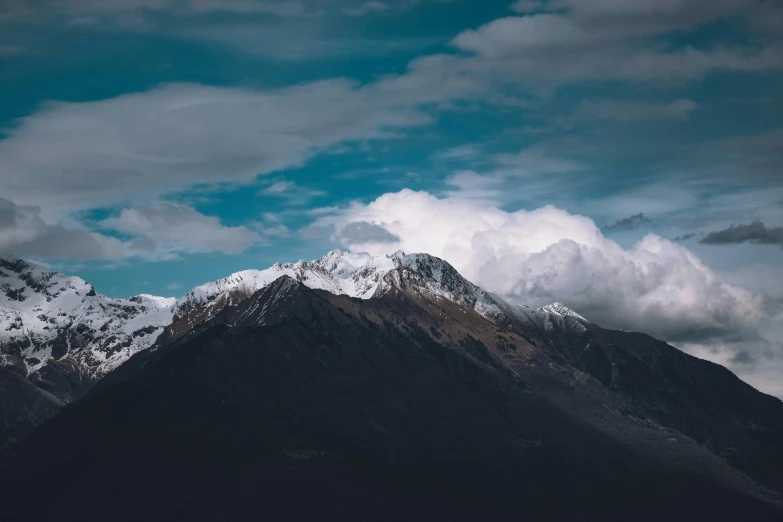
{"x":356,"y":387}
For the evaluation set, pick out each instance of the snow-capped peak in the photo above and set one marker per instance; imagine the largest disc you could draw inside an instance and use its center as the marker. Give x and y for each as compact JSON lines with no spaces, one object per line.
{"x":560,"y":309}
{"x":356,"y":274}
{"x":45,"y":315}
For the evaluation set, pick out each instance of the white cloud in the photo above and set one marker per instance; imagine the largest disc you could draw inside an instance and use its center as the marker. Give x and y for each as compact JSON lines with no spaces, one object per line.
{"x":23,"y":233}
{"x":138,"y":146}
{"x":293,"y":192}
{"x":170,"y":229}
{"x":536,"y":257}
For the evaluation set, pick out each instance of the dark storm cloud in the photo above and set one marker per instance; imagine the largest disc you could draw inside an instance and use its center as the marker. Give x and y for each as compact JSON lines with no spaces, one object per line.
{"x":629,"y":223}
{"x":743,"y":357}
{"x":685,"y":237}
{"x":755,"y":232}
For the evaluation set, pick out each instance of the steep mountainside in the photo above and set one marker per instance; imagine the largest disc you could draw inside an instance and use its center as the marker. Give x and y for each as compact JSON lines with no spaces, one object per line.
{"x":656,"y":381}
{"x":298,"y":404}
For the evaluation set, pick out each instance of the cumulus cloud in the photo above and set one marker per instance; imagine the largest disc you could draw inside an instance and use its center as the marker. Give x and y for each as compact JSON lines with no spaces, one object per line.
{"x":536,"y":257}
{"x":24,"y":234}
{"x":171,"y":228}
{"x":139,"y":146}
{"x":755,"y":232}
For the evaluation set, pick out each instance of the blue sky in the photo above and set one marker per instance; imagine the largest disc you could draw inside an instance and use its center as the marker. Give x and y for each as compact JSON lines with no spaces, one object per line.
{"x":152,"y":145}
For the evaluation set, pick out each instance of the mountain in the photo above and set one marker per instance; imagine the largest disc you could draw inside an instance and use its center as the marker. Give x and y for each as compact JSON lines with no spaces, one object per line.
{"x":58,"y":337}
{"x":386,"y":387}
{"x":296,"y":404}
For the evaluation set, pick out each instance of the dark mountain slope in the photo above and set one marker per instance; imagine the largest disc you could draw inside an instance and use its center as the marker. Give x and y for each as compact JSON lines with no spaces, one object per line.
{"x":22,"y":404}
{"x":298,"y":404}
{"x":658,"y":382}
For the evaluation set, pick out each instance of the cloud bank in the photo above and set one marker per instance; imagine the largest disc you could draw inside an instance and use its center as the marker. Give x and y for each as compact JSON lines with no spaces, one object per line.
{"x":539,"y":256}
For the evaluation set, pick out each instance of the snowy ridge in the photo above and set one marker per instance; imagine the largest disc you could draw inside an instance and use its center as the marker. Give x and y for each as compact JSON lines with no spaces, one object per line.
{"x":45,"y":315}
{"x":560,"y":309}
{"x":358,"y":275}
{"x":354,"y":274}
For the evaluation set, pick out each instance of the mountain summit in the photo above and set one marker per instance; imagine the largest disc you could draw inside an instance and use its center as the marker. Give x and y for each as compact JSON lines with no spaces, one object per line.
{"x":357,"y":275}
{"x":560,"y":309}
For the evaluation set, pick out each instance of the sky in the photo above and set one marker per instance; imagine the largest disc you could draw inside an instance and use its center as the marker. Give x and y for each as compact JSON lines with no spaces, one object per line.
{"x":621,"y":157}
